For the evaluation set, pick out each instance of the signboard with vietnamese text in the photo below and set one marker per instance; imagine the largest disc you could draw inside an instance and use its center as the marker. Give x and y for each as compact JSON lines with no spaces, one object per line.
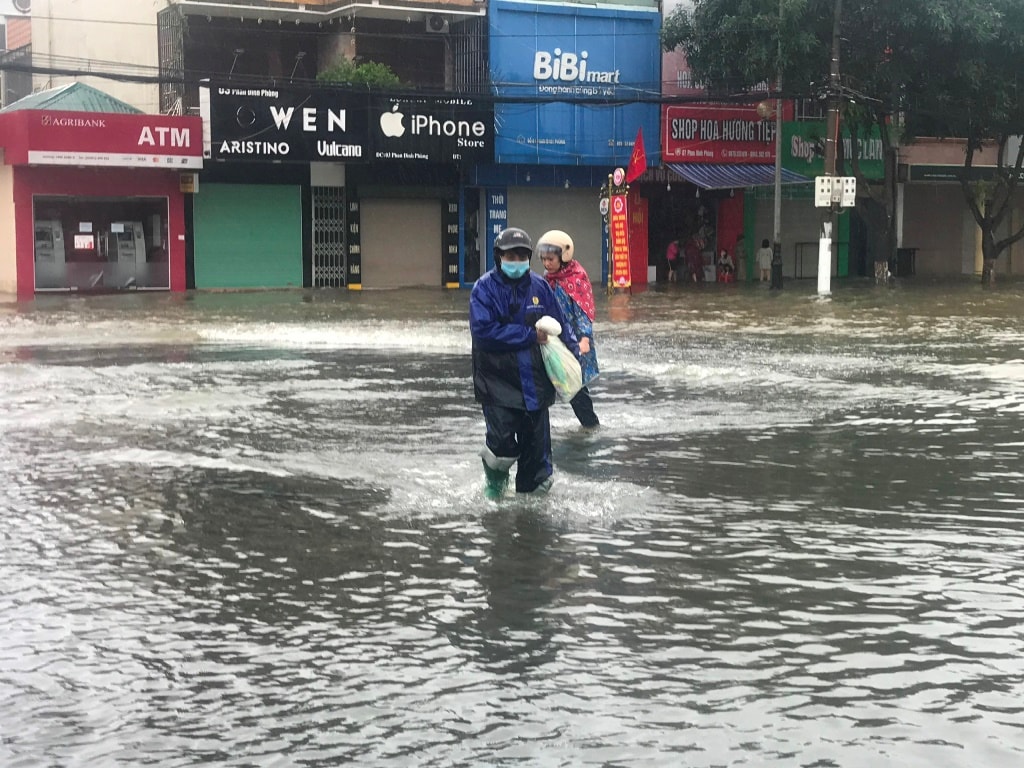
{"x":713,"y":134}
{"x":52,"y":137}
{"x":803,"y":150}
{"x":497,"y":219}
{"x":953,"y":173}
{"x":619,"y":234}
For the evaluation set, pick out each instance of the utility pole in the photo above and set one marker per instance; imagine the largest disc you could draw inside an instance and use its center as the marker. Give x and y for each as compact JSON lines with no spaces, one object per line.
{"x":777,"y":218}
{"x":830,"y":219}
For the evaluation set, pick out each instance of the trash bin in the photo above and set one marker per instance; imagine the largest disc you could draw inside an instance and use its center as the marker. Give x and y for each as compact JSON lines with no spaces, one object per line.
{"x":906,"y":262}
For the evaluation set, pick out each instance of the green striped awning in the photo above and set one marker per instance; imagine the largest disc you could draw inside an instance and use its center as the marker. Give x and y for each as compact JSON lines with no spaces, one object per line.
{"x":74,"y":97}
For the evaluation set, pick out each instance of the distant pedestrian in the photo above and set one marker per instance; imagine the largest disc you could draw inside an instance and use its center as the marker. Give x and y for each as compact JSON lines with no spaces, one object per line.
{"x":726,"y":267}
{"x":672,"y":257}
{"x":694,"y":258}
{"x":764,"y":257}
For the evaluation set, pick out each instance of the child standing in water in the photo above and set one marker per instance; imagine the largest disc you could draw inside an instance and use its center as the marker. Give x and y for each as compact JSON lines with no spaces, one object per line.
{"x":575,"y":296}
{"x":764,"y":257}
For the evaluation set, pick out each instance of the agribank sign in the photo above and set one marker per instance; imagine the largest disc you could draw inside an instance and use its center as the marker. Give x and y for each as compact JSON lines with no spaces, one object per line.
{"x":50,"y":137}
{"x":555,"y":68}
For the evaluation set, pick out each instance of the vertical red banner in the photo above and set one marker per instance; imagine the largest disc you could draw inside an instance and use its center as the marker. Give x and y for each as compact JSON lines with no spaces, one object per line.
{"x":638,"y":256}
{"x":619,"y":229}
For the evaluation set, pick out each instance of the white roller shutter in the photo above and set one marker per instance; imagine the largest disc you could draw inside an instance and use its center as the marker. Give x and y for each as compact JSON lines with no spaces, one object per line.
{"x":574,"y":210}
{"x":401,"y":243}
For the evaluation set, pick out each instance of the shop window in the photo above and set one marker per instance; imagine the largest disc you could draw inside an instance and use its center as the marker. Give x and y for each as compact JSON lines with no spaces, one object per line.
{"x":101,"y":244}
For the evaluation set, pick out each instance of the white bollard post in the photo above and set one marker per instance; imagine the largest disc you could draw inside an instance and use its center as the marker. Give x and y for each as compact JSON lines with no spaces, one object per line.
{"x":825,"y":259}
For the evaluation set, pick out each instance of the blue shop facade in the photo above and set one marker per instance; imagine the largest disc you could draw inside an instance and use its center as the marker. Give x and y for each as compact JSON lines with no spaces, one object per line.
{"x":572,"y":85}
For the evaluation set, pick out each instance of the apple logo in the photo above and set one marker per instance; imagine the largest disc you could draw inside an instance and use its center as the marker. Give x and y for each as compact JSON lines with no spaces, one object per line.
{"x":391,"y":123}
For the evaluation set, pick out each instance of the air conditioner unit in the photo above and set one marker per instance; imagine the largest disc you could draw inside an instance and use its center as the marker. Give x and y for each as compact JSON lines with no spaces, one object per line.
{"x":437,"y":24}
{"x":15,"y":7}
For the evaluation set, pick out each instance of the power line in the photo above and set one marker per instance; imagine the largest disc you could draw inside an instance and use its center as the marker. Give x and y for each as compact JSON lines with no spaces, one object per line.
{"x":72,"y":67}
{"x":634,"y":92}
{"x":323,"y":27}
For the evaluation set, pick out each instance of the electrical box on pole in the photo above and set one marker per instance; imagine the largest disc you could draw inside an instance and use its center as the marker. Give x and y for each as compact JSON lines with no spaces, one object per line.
{"x":823,"y":191}
{"x":840,"y":190}
{"x":834,"y":193}
{"x":848,"y":191}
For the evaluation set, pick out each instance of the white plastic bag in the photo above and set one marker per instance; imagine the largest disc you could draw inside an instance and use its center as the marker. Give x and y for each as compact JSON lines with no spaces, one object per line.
{"x":549,"y":325}
{"x":562,"y":366}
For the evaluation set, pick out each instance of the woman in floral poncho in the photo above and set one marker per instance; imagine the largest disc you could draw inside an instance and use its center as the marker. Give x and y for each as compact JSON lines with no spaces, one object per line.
{"x":575,"y":296}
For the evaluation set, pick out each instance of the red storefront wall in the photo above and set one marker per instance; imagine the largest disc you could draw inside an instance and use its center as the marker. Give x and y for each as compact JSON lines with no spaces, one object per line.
{"x":95,"y":182}
{"x":730,"y":223}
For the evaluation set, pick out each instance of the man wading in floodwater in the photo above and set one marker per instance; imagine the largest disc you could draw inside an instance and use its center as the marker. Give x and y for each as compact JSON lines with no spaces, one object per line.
{"x":509,"y":378}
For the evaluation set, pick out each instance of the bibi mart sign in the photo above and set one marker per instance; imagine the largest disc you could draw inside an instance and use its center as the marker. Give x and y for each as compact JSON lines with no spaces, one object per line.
{"x":557,"y":69}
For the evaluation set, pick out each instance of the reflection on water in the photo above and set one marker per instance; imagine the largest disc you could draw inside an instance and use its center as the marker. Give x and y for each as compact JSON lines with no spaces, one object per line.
{"x":248,"y":529}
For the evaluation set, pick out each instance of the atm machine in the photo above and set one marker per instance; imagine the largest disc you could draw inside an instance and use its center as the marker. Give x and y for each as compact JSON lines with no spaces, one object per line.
{"x":50,"y":256}
{"x":124,"y":248}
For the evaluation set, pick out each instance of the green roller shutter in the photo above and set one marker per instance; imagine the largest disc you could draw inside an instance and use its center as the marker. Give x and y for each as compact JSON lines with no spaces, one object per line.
{"x":248,"y":236}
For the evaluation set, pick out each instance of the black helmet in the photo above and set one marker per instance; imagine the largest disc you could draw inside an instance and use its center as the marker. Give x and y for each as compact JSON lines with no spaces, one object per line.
{"x":510,"y":238}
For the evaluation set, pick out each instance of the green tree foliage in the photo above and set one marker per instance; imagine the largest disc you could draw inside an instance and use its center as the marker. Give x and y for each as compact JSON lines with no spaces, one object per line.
{"x":734,"y":44}
{"x":910,"y":67}
{"x":975,"y":91}
{"x":369,"y":74}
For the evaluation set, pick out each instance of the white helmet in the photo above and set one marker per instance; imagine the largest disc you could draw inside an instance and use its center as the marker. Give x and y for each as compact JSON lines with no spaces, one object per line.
{"x":556,"y":241}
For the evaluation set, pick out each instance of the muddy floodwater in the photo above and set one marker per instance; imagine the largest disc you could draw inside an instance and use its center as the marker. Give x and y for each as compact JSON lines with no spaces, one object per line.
{"x":249,"y":530}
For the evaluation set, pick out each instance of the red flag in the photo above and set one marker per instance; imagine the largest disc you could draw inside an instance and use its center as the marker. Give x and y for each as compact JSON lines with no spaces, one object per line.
{"x":638,"y":160}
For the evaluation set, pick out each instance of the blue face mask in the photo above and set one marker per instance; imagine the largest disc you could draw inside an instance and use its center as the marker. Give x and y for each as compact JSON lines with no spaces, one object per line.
{"x":515,"y":269}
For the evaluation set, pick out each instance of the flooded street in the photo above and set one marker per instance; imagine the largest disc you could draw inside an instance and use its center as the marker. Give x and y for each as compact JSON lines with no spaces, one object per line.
{"x":249,"y":530}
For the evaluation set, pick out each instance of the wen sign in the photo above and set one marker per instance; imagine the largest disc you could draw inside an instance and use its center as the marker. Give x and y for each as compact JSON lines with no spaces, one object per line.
{"x":284,"y":125}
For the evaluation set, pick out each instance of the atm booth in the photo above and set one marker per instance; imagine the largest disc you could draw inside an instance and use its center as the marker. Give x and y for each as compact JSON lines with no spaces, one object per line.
{"x":94,"y":201}
{"x":119,"y":256}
